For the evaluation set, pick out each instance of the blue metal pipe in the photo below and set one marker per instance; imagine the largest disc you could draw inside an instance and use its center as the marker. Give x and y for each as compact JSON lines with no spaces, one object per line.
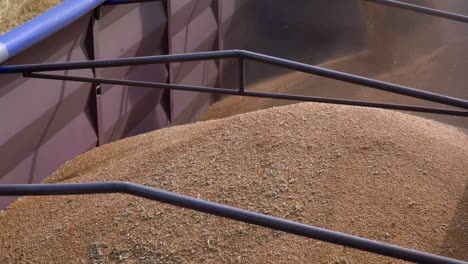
{"x":123,"y":2}
{"x":42,"y":26}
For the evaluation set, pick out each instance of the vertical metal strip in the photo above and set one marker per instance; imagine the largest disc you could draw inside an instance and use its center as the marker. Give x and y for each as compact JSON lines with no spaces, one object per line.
{"x":220,"y":44}
{"x":166,"y":96}
{"x":169,"y":51}
{"x":241,"y":75}
{"x":169,"y":37}
{"x":98,"y":89}
{"x":94,"y":100}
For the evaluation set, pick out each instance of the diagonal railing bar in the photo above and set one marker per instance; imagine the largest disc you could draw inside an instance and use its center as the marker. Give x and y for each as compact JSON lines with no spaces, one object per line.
{"x":227,"y":212}
{"x":422,"y":9}
{"x":351,"y":78}
{"x":242,"y":54}
{"x":242,"y":92}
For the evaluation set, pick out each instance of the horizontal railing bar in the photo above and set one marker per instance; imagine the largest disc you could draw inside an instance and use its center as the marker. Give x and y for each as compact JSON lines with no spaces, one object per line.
{"x":288,"y":64}
{"x":251,"y":94}
{"x":184,"y":57}
{"x":423,"y":10}
{"x":227,"y":212}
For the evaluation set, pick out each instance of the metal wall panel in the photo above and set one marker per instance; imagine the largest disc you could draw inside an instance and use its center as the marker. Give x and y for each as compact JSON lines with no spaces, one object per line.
{"x":193,"y":27}
{"x":234,"y":20}
{"x":127,"y":31}
{"x":403,"y":35}
{"x":45,"y":122}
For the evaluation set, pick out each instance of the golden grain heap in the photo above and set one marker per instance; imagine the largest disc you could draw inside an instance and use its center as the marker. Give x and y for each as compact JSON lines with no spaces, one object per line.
{"x":372,"y":173}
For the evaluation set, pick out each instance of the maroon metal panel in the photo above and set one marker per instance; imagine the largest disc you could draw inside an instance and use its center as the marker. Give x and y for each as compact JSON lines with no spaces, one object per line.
{"x":45,"y":122}
{"x":232,"y":24}
{"x":227,"y":10}
{"x":127,"y":31}
{"x":156,"y":116}
{"x":193,"y":27}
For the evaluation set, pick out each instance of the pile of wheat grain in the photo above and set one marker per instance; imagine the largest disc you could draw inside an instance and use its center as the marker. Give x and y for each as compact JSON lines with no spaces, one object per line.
{"x":372,"y":173}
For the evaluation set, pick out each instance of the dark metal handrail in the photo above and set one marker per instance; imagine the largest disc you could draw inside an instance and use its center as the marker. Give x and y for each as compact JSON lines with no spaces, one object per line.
{"x":422,"y":9}
{"x":242,"y":55}
{"x":227,"y":212}
{"x":223,"y":210}
{"x":242,"y":92}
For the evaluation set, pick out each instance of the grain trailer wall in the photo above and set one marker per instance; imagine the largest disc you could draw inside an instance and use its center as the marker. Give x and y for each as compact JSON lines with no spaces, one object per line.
{"x":47,"y":122}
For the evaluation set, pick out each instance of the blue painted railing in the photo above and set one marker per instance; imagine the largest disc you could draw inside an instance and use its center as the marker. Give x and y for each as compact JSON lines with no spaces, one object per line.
{"x":15,"y":41}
